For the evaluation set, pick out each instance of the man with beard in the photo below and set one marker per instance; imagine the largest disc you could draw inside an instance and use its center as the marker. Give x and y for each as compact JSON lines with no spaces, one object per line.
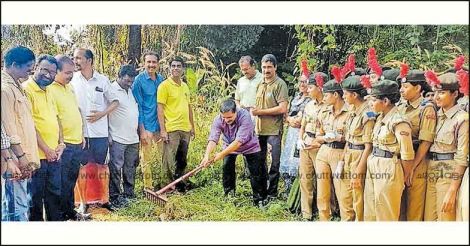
{"x":46,"y":181}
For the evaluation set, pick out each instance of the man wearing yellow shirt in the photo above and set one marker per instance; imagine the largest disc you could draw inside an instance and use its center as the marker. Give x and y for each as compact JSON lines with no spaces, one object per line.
{"x":46,"y":181}
{"x":72,"y":126}
{"x":176,"y":121}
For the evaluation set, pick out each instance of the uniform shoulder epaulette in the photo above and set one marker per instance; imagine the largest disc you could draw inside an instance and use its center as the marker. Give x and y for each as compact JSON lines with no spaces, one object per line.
{"x":462,"y":116}
{"x":369,"y":115}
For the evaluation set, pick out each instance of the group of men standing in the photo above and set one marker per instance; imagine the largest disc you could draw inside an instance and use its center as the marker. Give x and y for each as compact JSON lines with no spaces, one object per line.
{"x":66,"y":115}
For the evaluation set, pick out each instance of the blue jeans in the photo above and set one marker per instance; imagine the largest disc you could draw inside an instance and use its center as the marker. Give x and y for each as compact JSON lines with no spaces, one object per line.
{"x":96,"y":150}
{"x":46,"y":191}
{"x":17,"y":199}
{"x":70,"y":164}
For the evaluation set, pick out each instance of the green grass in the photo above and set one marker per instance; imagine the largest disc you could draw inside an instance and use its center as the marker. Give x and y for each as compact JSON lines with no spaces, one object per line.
{"x":206,"y":201}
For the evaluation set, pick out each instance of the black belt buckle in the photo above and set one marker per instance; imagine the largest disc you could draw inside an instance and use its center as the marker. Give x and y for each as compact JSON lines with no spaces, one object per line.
{"x":337,"y":145}
{"x":356,"y":146}
{"x":382,"y":153}
{"x":441,"y":156}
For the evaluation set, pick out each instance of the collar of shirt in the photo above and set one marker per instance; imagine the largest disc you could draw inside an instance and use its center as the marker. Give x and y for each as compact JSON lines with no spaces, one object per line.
{"x":173,"y":82}
{"x":357,"y":111}
{"x":450,"y":113}
{"x":345,"y":108}
{"x":6,"y":77}
{"x":386,"y":118}
{"x":32,"y":83}
{"x":147,"y":75}
{"x":415,"y":104}
{"x":94,"y":76}
{"x":271,"y":81}
{"x":257,"y":75}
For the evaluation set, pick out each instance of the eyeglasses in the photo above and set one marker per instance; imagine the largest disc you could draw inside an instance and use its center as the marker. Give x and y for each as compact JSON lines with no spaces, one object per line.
{"x":46,"y":71}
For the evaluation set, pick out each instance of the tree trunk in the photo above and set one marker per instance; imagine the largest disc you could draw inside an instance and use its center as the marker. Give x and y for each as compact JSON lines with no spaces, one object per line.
{"x":135,"y":43}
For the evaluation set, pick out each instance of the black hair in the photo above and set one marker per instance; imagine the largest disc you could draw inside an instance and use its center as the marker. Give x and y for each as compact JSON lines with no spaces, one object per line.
{"x":61,"y":60}
{"x":340,"y":92}
{"x":228,"y":105}
{"x":128,"y":70}
{"x":19,"y":55}
{"x":48,"y":58}
{"x":362,"y":92}
{"x":89,"y":55}
{"x":269,"y":58}
{"x":393,"y":98}
{"x":177,"y":59}
{"x":150,"y":53}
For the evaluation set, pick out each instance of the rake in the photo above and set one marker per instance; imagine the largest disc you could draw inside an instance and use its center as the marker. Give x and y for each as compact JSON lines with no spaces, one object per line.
{"x":158,"y":197}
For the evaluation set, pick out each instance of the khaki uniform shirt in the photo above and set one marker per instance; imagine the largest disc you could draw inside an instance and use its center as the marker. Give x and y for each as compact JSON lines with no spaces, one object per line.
{"x":359,"y":125}
{"x":17,"y":119}
{"x":452,"y":134}
{"x":330,"y":122}
{"x":311,"y":116}
{"x":422,"y":118}
{"x":463,"y":103}
{"x":392,"y":133}
{"x":269,"y":95}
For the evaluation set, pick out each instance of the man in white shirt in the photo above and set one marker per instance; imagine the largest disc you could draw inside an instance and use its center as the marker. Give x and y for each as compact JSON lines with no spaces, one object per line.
{"x":96,"y":99}
{"x":124,"y":140}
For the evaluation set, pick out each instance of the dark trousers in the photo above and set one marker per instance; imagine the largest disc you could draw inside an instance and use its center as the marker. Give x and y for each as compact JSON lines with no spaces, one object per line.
{"x":275,"y":142}
{"x":258,"y":176}
{"x":70,"y":163}
{"x":46,"y":191}
{"x":175,"y":153}
{"x":123,"y":161}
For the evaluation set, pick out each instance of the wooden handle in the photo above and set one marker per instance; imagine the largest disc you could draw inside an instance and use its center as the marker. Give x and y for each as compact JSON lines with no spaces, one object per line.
{"x":187,"y":175}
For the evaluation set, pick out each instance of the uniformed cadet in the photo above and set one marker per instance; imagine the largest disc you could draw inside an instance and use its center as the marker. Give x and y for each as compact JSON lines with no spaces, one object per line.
{"x":392,"y":155}
{"x":329,"y":161}
{"x":462,"y":202}
{"x":310,"y":147}
{"x":359,"y":126}
{"x":422,"y":116}
{"x":448,"y":154}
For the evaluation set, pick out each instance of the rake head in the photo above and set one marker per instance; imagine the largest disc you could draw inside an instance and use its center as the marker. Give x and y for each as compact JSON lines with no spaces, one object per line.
{"x":160,"y":200}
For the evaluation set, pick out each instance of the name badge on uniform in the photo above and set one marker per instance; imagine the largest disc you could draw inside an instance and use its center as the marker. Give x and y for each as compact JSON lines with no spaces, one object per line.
{"x":98,"y":89}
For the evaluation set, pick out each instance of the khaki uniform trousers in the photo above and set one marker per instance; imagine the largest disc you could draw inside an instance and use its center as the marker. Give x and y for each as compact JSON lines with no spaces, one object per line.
{"x":308,"y":181}
{"x":414,"y":197}
{"x":355,"y":197}
{"x":439,"y":178}
{"x":325,"y":164}
{"x":147,"y":152}
{"x":462,"y":199}
{"x":383,"y":190}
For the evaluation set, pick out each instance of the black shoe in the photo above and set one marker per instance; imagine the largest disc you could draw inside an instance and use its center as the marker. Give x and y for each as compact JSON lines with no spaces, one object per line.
{"x":109,"y":207}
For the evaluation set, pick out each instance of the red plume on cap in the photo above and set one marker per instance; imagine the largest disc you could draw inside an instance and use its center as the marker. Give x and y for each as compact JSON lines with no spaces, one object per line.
{"x":304,"y":67}
{"x":319,"y":80}
{"x":365,"y":81}
{"x":431,"y":78}
{"x":373,"y":63}
{"x":336,"y":71}
{"x":462,"y":77}
{"x":371,"y":55}
{"x":404,"y":70}
{"x":351,"y":63}
{"x":459,"y":61}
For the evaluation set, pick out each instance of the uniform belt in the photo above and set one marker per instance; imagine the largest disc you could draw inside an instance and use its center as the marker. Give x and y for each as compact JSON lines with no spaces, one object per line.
{"x":383,"y":153}
{"x":440,"y":156}
{"x":336,"y":145}
{"x":356,"y":146}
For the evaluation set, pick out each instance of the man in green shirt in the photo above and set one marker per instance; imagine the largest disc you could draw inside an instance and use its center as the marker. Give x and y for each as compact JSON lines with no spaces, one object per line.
{"x":271,"y":105}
